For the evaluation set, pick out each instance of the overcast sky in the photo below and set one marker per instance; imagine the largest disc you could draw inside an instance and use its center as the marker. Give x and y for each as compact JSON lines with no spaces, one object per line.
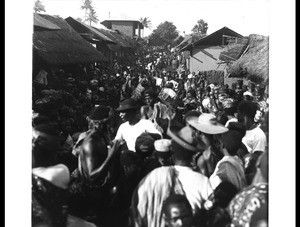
{"x":243,"y":16}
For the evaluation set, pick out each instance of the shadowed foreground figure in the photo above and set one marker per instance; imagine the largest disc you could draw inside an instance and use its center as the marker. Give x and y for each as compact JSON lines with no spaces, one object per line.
{"x":50,"y":179}
{"x":91,"y":184}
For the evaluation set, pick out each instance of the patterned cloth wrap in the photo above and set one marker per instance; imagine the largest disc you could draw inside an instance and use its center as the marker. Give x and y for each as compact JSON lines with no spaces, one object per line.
{"x":246,"y":203}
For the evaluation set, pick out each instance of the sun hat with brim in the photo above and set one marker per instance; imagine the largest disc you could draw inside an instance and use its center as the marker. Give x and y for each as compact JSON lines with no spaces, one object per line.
{"x":207,"y":123}
{"x":184,"y":137}
{"x":127,"y":104}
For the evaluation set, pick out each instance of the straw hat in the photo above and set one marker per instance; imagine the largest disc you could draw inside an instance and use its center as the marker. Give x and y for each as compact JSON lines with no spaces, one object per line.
{"x":184,"y":137}
{"x":207,"y":123}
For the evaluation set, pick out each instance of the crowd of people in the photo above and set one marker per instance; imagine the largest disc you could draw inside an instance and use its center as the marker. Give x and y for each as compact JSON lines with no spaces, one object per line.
{"x":139,"y":146}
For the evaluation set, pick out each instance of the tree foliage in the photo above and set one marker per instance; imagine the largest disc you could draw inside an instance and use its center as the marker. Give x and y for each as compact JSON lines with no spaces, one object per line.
{"x":165,"y":34}
{"x":200,"y":27}
{"x":38,"y":6}
{"x":90,"y":13}
{"x":146,"y":22}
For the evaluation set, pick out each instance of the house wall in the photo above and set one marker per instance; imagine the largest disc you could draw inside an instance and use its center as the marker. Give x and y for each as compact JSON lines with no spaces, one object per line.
{"x":125,"y":27}
{"x":201,"y":61}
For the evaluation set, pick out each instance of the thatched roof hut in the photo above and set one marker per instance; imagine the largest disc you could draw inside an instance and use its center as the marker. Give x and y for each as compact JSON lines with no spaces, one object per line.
{"x":88,"y":32}
{"x":235,"y":50}
{"x":254,"y":63}
{"x":64,"y":46}
{"x":40,"y":23}
{"x":120,"y":40}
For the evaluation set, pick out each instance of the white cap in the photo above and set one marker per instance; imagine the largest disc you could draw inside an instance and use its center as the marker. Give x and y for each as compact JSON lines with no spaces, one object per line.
{"x":162,"y":145}
{"x":248,"y":93}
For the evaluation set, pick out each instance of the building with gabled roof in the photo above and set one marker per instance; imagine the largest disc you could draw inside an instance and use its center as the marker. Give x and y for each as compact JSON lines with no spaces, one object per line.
{"x":204,"y":53}
{"x":61,"y":46}
{"x":112,"y":44}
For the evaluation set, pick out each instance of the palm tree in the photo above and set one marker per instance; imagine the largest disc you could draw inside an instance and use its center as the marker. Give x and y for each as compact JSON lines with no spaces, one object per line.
{"x":38,"y":7}
{"x":146,"y":22}
{"x":90,"y":13}
{"x":92,"y":17}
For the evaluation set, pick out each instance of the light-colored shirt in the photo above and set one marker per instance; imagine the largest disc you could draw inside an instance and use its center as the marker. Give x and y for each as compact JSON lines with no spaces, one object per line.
{"x":255,"y":140}
{"x":129,"y":133}
{"x":148,"y":198}
{"x":229,"y":168}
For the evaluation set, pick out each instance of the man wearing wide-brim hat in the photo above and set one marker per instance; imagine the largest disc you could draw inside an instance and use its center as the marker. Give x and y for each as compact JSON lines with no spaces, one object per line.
{"x":148,"y":198}
{"x":207,"y":128}
{"x":132,"y":125}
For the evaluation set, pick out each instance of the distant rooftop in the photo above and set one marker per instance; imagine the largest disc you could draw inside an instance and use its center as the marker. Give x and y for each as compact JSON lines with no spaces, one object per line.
{"x":108,"y":22}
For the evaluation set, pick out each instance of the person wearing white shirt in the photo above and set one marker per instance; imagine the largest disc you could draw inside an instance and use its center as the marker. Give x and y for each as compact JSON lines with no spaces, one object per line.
{"x":255,"y":138}
{"x":133,"y":125}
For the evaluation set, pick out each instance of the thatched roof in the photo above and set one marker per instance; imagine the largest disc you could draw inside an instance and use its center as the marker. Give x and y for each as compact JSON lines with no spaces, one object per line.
{"x":216,"y":38}
{"x":120,"y":40}
{"x":64,"y":46}
{"x":254,"y":63}
{"x":41,"y":23}
{"x":88,"y":31}
{"x":234,"y":51}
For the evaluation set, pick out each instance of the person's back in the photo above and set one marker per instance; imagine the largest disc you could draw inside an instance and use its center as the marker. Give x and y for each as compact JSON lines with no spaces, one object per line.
{"x":179,"y":179}
{"x":89,"y":194}
{"x":230,"y":168}
{"x":147,"y":203}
